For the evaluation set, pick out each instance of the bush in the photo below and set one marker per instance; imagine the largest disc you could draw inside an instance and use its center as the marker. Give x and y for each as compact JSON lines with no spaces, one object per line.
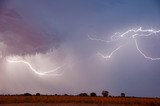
{"x":27,"y":94}
{"x":65,"y":94}
{"x":93,"y":94}
{"x":122,"y":94}
{"x":105,"y":93}
{"x":83,"y":94}
{"x":38,"y":94}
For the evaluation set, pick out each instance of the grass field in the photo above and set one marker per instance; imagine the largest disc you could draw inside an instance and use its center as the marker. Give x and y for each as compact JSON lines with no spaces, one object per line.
{"x":63,"y":104}
{"x":76,"y":101}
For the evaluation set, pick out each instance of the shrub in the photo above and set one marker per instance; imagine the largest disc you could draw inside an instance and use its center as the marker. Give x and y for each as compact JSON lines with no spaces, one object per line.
{"x":38,"y":94}
{"x":27,"y":94}
{"x":122,"y":94}
{"x":65,"y":94}
{"x":93,"y":94}
{"x":83,"y":94}
{"x":105,"y":93}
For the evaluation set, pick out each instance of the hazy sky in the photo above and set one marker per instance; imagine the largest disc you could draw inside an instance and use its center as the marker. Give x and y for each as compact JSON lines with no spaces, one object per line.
{"x":54,"y":33}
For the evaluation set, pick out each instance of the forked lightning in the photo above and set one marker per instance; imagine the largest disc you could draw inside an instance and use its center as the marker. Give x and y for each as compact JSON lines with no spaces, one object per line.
{"x":50,"y":72}
{"x":129,"y":34}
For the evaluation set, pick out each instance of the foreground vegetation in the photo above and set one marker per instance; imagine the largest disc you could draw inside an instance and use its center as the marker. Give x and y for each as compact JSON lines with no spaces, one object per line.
{"x":81,"y":100}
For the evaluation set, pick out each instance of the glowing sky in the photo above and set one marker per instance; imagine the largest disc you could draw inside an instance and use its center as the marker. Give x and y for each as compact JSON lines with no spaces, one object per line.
{"x":44,"y":47}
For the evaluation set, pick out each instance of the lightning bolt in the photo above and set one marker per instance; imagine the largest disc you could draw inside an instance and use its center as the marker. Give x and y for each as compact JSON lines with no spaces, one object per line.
{"x":96,"y":39}
{"x":140,"y":51}
{"x":110,"y":55}
{"x":132,"y":34}
{"x":50,"y":72}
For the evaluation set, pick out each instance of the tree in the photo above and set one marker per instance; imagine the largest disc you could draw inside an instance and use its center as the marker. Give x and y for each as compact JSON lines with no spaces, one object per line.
{"x":27,"y":94}
{"x":105,"y":93}
{"x":93,"y":94}
{"x":65,"y":94}
{"x":122,"y":94}
{"x":83,"y":94}
{"x":38,"y":94}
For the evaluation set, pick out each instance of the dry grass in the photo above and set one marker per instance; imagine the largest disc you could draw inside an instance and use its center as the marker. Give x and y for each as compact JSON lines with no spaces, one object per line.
{"x":110,"y":101}
{"x":60,"y":104}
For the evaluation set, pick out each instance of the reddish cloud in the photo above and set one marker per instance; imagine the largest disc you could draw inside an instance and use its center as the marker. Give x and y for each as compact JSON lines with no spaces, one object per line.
{"x":22,"y":38}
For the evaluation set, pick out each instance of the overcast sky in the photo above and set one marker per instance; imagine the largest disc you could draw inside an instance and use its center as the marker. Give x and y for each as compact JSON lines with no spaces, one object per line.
{"x":53,"y":33}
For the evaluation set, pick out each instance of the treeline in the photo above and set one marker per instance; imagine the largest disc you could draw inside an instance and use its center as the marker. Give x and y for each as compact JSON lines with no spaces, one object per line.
{"x":92,"y":94}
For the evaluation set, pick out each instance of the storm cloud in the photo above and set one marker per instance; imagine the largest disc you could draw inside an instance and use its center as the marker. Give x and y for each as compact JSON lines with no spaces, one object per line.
{"x":19,"y":37}
{"x":50,"y":33}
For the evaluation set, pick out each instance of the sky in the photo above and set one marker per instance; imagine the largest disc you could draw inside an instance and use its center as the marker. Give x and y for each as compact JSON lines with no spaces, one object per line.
{"x":45,"y":48}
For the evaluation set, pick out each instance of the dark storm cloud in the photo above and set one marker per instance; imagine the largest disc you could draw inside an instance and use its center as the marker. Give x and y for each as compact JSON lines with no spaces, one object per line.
{"x":157,"y":4}
{"x":44,"y":23}
{"x":4,"y":10}
{"x":2,"y":3}
{"x":20,"y":37}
